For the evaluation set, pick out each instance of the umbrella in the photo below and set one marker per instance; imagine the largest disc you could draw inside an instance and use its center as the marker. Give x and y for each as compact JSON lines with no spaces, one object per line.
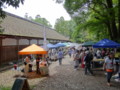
{"x":51,"y":46}
{"x":59,"y":45}
{"x":66,"y":44}
{"x":33,"y":49}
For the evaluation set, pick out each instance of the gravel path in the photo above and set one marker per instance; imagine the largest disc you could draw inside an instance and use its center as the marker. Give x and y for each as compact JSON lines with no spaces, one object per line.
{"x":64,"y":77}
{"x":7,"y":78}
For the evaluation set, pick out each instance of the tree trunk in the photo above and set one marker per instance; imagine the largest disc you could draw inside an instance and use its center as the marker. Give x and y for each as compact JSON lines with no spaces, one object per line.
{"x":109,"y":30}
{"x":112,"y":19}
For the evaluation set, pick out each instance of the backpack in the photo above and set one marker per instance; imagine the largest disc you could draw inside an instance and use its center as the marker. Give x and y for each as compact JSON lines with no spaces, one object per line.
{"x":90,"y":56}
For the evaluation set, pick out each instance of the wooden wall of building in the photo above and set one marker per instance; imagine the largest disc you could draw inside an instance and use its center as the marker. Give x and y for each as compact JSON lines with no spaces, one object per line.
{"x":10,"y":46}
{"x":23,"y":42}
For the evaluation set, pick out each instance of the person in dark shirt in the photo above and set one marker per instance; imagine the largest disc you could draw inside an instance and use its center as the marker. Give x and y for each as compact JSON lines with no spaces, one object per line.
{"x":88,"y":60}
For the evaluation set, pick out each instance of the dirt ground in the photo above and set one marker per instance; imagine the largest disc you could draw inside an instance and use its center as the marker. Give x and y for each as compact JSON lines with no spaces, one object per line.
{"x":8,"y":77}
{"x":62,"y":77}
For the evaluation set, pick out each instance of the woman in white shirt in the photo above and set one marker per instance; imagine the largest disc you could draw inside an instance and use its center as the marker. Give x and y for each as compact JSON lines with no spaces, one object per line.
{"x":109,"y":67}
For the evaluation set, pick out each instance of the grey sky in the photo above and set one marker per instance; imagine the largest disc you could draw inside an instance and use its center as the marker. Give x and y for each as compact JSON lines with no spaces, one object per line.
{"x":45,"y":8}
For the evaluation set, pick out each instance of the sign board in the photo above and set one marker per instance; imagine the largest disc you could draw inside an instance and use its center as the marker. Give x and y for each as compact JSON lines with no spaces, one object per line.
{"x":21,"y":84}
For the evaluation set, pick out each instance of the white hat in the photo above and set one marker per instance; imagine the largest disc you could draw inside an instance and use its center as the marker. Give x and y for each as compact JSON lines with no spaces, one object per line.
{"x":87,"y":52}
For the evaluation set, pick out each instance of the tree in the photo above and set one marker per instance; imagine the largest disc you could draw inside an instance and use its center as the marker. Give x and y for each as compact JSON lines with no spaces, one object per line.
{"x":28,"y":17}
{"x":104,"y":13}
{"x":60,"y":25}
{"x":41,"y":20}
{"x":65,"y":27}
{"x":14,"y":3}
{"x":38,"y":19}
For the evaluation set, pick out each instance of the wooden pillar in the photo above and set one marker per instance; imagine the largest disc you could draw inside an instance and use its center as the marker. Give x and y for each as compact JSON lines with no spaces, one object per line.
{"x":18,"y":48}
{"x":0,"y":50}
{"x":38,"y":42}
{"x":29,"y":41}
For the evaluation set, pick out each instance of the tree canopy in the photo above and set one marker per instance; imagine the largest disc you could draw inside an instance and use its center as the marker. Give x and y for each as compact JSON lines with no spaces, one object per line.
{"x":97,"y":18}
{"x":3,"y":4}
{"x":38,"y":19}
{"x":41,"y":20}
{"x":13,"y":3}
{"x":65,"y":27}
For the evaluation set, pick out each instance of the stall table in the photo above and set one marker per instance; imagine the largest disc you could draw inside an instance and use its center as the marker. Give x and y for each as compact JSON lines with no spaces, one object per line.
{"x":44,"y":70}
{"x":97,"y":60}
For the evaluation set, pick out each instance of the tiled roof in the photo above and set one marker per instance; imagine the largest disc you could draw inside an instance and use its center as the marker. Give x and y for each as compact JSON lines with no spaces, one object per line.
{"x":15,"y":25}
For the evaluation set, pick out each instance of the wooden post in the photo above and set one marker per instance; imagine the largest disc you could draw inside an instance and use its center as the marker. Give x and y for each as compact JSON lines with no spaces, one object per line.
{"x":37,"y":41}
{"x":29,"y":41}
{"x":17,"y":48}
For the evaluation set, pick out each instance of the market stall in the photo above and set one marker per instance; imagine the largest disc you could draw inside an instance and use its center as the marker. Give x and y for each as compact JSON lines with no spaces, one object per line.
{"x":36,"y":50}
{"x":106,"y":43}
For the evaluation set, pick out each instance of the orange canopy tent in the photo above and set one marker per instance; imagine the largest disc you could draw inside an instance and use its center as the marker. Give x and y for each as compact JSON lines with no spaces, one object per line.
{"x":32,"y":49}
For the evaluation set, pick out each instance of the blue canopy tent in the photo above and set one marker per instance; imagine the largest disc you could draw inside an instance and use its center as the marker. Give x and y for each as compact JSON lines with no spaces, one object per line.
{"x":106,"y":43}
{"x":60,"y":45}
{"x":51,"y":46}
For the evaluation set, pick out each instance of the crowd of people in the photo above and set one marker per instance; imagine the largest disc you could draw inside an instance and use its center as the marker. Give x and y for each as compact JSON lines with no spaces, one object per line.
{"x":53,"y":54}
{"x":83,"y":58}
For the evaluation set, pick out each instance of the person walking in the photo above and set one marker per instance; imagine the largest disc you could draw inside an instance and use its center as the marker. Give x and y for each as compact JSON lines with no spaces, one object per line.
{"x":109,"y":67}
{"x":76,"y":59}
{"x":82,"y":55}
{"x":70,"y":52}
{"x":88,"y":58}
{"x":73,"y":52}
{"x":60,"y":56}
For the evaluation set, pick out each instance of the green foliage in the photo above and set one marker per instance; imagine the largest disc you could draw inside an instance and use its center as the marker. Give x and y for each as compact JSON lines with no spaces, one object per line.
{"x":64,"y":27}
{"x":38,"y":19}
{"x":80,"y":34}
{"x":90,"y":30}
{"x":5,"y":88}
{"x":43,"y":21}
{"x":14,"y":3}
{"x":94,"y":18}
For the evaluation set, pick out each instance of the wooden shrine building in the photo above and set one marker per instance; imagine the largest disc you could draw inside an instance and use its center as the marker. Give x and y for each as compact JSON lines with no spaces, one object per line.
{"x":19,"y":32}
